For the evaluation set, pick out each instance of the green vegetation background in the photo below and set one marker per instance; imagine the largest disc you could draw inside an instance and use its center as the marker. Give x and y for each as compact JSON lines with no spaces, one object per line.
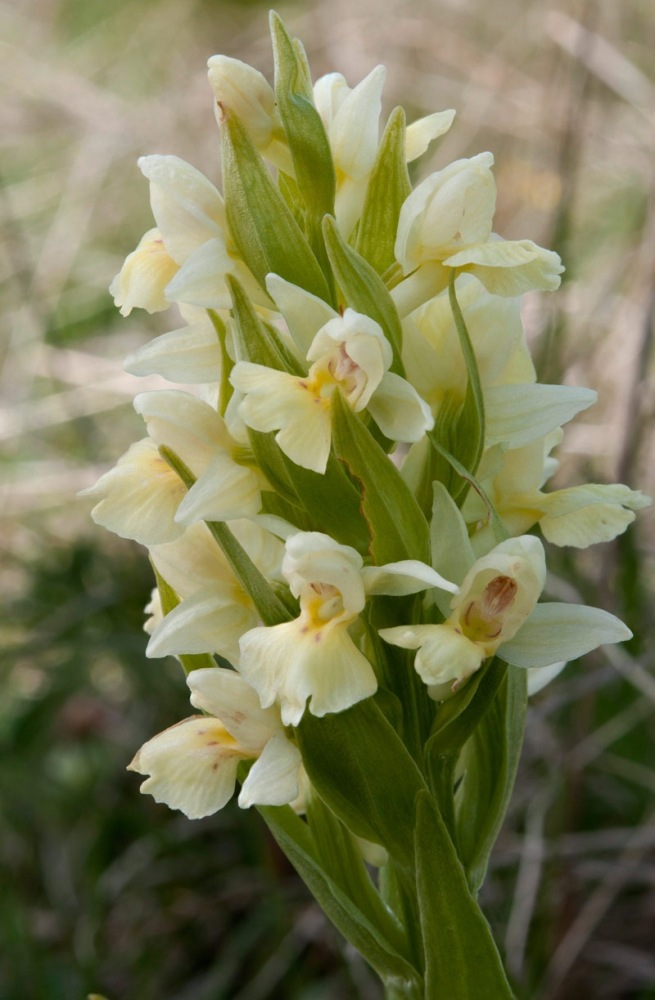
{"x":103,"y":891}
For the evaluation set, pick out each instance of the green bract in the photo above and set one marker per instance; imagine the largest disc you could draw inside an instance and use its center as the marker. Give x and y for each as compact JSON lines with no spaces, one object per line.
{"x":341,"y":512}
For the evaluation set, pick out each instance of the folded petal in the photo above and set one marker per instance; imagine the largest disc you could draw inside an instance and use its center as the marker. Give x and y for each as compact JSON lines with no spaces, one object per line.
{"x":273,"y":779}
{"x":226,"y":695}
{"x":399,"y":411}
{"x":312,"y":557}
{"x":201,"y":279}
{"x":450,"y":208}
{"x":353,"y":132}
{"x":187,"y":425}
{"x":187,"y":207}
{"x":247,"y":92}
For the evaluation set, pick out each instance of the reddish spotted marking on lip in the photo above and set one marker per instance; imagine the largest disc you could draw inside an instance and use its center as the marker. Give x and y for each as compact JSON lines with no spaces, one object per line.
{"x":498,"y":595}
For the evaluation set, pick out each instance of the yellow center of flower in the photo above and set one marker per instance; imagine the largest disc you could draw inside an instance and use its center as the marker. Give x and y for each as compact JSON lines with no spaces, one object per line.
{"x":335,"y":369}
{"x":320,"y":603}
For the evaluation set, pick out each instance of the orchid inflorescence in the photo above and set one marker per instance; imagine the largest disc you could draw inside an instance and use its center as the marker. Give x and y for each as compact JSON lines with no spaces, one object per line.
{"x":342,"y":511}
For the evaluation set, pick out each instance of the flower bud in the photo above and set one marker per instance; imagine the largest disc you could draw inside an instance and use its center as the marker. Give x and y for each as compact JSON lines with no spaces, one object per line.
{"x":451,"y":209}
{"x":246,"y":92}
{"x":142,"y":280}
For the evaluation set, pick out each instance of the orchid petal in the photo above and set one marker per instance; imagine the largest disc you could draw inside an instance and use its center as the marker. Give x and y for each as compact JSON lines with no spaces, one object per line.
{"x":406,"y":577}
{"x":421,"y":133}
{"x":273,"y":779}
{"x":192,"y":766}
{"x":188,"y":355}
{"x":557,"y":631}
{"x":517,"y":415}
{"x":187,"y":207}
{"x":399,"y":411}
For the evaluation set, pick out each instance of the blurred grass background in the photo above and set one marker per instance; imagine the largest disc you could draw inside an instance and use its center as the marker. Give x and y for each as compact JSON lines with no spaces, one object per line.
{"x":101,"y":889}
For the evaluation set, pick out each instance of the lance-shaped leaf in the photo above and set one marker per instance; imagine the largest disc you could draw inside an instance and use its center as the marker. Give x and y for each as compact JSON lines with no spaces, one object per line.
{"x":227,"y":364}
{"x":360,"y":767}
{"x":264,"y":229}
{"x":471,"y":421}
{"x":455,"y":723}
{"x":397,"y":525}
{"x":332,"y":502}
{"x":461,"y":959}
{"x":342,"y":859}
{"x":306,"y":136}
{"x":460,"y":429}
{"x":256,"y":341}
{"x":364,"y":289}
{"x":388,"y":187}
{"x":295,"y":839}
{"x":489,"y":762}
{"x":268,"y":604}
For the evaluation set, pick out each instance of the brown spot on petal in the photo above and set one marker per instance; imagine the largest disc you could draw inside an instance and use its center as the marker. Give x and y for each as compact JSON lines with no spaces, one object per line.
{"x":498,"y":596}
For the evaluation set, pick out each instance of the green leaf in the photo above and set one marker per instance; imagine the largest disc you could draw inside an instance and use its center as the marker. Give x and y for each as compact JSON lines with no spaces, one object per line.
{"x":269,"y":606}
{"x":271,"y":609}
{"x":257,"y":341}
{"x":455,"y":722}
{"x":364,"y":289}
{"x":332,"y":502}
{"x":262,"y":225}
{"x":170,"y":600}
{"x":461,"y":958}
{"x":360,"y":767}
{"x":388,"y":187}
{"x":342,"y":860}
{"x":306,"y":137}
{"x":459,"y":433}
{"x":227,"y":364}
{"x":499,"y":530}
{"x":456,"y":719}
{"x":490,"y":761}
{"x":295,"y":839}
{"x":397,"y":525}
{"x":470,"y":425}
